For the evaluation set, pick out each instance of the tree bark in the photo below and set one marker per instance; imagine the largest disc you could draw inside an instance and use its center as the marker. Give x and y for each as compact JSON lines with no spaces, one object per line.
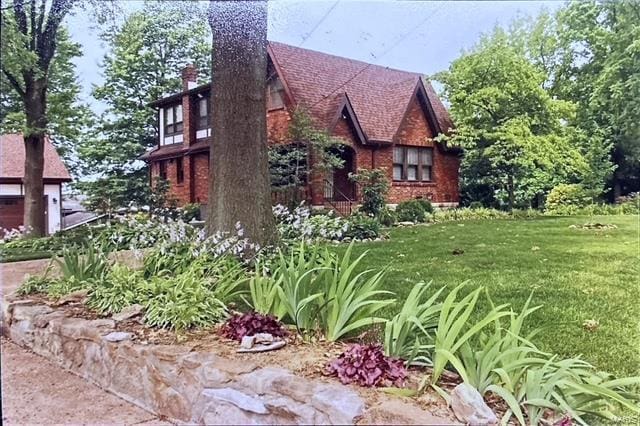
{"x":36,"y":124}
{"x":239,"y":185}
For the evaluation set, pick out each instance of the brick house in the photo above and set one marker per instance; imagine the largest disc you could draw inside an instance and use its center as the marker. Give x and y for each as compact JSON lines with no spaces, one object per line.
{"x":387,"y":119}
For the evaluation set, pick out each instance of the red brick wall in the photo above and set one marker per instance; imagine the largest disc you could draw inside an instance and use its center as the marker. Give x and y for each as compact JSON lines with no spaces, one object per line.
{"x":416,"y":131}
{"x":201,"y":177}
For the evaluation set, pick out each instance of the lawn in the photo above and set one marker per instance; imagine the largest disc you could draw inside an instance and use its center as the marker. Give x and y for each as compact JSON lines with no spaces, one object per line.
{"x":576,"y":275}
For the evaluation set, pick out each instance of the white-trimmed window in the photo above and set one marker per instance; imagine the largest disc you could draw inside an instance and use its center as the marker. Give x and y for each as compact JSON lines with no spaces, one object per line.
{"x":204,"y":118}
{"x":412,"y":164}
{"x":173,"y":120}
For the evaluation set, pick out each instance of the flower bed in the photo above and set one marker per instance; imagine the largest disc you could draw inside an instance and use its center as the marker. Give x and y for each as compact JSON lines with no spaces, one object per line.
{"x":197,"y":377}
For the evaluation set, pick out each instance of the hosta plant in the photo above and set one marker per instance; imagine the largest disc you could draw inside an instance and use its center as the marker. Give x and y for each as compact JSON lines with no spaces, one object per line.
{"x":250,"y":323}
{"x":180,"y":302}
{"x":409,"y":334}
{"x":367,"y":365}
{"x":118,"y":289}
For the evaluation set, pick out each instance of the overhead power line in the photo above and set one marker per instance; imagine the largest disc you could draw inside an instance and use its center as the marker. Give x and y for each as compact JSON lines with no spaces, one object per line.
{"x":315,"y":27}
{"x":389,"y":49}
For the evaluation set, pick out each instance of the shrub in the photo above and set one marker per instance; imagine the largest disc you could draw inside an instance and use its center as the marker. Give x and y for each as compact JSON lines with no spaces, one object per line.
{"x":373,"y":185}
{"x":250,"y":323}
{"x":566,"y":199}
{"x":362,"y":227}
{"x":116,"y":290}
{"x":387,"y":217}
{"x":411,"y":211}
{"x":475,"y":205}
{"x":367,"y":365}
{"x":426,"y":205}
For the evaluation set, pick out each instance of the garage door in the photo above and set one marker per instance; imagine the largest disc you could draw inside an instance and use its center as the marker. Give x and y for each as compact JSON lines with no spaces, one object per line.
{"x":11,"y":211}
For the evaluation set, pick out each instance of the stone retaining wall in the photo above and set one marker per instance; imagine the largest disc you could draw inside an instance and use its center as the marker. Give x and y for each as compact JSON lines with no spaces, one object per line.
{"x":186,"y":385}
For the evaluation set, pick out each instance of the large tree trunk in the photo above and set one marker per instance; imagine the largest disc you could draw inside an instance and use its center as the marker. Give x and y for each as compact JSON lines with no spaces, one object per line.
{"x":34,"y":207}
{"x":239,"y":186}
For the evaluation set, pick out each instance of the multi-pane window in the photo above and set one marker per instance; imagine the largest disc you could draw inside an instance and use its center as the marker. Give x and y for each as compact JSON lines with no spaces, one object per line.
{"x":412,"y":164}
{"x":162,"y":169}
{"x":204,"y":118}
{"x":179,"y":170}
{"x":275,"y":94}
{"x":173,"y":120}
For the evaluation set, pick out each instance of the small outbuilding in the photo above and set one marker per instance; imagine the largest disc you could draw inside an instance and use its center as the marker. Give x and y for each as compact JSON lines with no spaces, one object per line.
{"x":12,"y":156}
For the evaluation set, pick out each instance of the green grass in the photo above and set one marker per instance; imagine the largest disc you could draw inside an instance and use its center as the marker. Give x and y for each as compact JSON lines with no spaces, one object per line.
{"x":576,"y":275}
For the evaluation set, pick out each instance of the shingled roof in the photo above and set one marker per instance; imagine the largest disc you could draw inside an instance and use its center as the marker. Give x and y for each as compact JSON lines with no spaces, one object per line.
{"x":379,"y":95}
{"x":12,"y":159}
{"x":320,"y":82}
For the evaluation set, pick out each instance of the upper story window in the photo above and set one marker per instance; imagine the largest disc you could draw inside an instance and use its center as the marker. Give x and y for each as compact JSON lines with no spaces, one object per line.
{"x":275,"y":94}
{"x":412,"y":164}
{"x":204,"y":117}
{"x":173,"y":120}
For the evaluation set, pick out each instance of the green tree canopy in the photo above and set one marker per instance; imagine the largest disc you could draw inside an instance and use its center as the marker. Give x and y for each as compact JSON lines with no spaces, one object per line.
{"x":68,"y":116}
{"x":518,"y":139}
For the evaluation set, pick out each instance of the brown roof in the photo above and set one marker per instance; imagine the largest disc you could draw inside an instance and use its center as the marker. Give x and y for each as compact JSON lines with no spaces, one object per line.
{"x":12,"y":159}
{"x":379,"y":95}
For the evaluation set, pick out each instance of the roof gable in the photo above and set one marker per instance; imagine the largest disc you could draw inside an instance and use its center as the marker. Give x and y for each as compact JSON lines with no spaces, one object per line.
{"x":378,"y":95}
{"x":12,"y":156}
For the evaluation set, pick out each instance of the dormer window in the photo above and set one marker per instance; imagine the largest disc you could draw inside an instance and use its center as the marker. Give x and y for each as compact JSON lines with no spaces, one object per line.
{"x":275,"y":93}
{"x":204,"y":118}
{"x":173,"y":120}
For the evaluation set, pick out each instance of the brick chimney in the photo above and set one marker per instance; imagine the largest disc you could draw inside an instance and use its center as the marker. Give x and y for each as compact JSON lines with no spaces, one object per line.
{"x":189,"y":77}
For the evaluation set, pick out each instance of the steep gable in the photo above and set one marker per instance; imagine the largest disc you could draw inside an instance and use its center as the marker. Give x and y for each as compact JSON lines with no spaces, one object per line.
{"x":378,"y":95}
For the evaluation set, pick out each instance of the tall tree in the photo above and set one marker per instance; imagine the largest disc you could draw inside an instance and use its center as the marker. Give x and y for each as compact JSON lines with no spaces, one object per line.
{"x":68,"y":117}
{"x":518,"y":142}
{"x":602,"y":40}
{"x":147,"y":53}
{"x":29,"y":40}
{"x":239,"y":187}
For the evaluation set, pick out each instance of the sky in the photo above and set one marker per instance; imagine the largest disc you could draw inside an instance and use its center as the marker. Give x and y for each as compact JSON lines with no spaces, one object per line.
{"x":418,"y":36}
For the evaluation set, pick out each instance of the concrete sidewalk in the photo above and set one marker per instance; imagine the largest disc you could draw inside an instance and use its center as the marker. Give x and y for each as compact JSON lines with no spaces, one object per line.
{"x":35,"y":391}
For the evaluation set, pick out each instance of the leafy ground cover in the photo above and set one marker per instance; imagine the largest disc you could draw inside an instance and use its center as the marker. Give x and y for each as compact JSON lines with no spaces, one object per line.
{"x":579,"y":275}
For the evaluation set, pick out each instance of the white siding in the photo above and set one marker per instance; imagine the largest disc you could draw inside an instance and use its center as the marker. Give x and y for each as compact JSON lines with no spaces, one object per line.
{"x":161,"y":112}
{"x":10,"y":189}
{"x":52,"y":191}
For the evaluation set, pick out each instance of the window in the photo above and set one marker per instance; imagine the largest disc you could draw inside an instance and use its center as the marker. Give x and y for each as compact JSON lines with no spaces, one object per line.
{"x":412,"y":164}
{"x":275,"y":94}
{"x":173,"y":120}
{"x":204,"y":118}
{"x":179,"y":170}
{"x":162,"y":169}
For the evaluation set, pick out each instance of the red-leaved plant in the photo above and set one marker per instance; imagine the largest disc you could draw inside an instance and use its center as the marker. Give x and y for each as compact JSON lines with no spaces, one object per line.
{"x":368,"y":366}
{"x":240,"y":325}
